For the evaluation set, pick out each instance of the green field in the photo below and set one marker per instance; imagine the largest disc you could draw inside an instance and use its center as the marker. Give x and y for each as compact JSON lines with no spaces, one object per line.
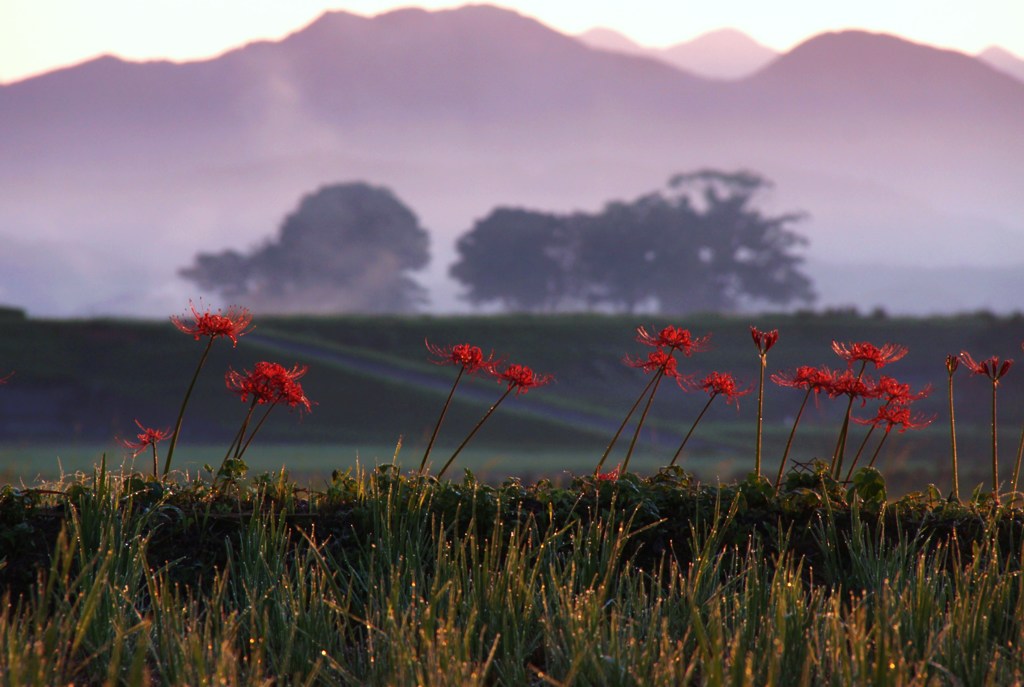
{"x":80,"y":384}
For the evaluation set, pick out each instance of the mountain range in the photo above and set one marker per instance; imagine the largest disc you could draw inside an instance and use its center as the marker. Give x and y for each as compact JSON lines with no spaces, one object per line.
{"x":114,"y":174}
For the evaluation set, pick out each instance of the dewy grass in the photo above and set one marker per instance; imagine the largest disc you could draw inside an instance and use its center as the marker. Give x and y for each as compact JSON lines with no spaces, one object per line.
{"x":384,"y":579}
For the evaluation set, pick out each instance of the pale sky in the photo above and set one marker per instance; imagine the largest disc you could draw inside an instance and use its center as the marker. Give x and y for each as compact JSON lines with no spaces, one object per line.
{"x":39,"y":35}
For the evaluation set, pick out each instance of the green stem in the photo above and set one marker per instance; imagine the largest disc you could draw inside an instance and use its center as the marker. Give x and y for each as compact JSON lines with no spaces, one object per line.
{"x":837,"y":455}
{"x":184,"y":403}
{"x":877,"y":449}
{"x":789,"y":442}
{"x":995,"y":446}
{"x":860,"y":450}
{"x":952,"y":441}
{"x":625,"y":421}
{"x":760,"y":415}
{"x":440,"y":419}
{"x":475,"y":429}
{"x":679,"y":451}
{"x":252,"y":435}
{"x":236,"y":443}
{"x":643,"y":416}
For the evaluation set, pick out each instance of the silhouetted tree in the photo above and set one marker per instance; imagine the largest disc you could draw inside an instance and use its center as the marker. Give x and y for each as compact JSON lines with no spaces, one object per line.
{"x":346,"y":248}
{"x":516,"y":258}
{"x":699,"y":246}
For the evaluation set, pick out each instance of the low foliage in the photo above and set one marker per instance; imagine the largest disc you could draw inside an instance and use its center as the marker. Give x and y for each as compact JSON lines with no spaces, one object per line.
{"x":390,"y":579}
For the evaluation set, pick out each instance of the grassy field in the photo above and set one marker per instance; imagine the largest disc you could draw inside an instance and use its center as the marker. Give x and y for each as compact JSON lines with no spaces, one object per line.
{"x":380,"y":579}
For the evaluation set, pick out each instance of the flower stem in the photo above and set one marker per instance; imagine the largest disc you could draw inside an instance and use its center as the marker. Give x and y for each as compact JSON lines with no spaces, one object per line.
{"x":679,"y":451}
{"x":995,"y":446}
{"x":877,"y":449}
{"x":643,"y":416}
{"x":952,"y":441}
{"x":184,"y":403}
{"x":760,"y":415}
{"x":837,"y":455}
{"x":474,"y":430}
{"x":860,"y":450}
{"x":625,"y":421}
{"x":252,"y":435}
{"x":789,"y":442}
{"x":440,"y":419}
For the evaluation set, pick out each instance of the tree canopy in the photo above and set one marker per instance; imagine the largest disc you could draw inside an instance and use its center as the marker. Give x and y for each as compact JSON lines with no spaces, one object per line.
{"x":701,"y":244}
{"x":346,"y":248}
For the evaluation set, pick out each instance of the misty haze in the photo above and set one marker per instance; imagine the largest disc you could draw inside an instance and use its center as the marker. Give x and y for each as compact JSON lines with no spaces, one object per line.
{"x":116,"y":176}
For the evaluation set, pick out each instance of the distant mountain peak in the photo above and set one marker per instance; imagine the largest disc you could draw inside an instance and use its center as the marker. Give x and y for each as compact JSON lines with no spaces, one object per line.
{"x":720,"y":54}
{"x":1003,"y":60}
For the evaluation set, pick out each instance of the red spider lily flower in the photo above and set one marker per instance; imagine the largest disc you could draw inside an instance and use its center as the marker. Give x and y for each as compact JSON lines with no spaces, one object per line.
{"x":854,"y":386}
{"x":763,"y":340}
{"x":270,"y":383}
{"x":806,"y":377}
{"x":3,"y":380}
{"x":232,"y":323}
{"x":521,"y":378}
{"x":146,"y":438}
{"x":470,"y":358}
{"x":869,"y":353}
{"x":896,"y":415}
{"x":660,"y":360}
{"x":992,"y":367}
{"x":611,"y":476}
{"x":724,"y":384}
{"x":897,"y":392}
{"x":674,"y":339}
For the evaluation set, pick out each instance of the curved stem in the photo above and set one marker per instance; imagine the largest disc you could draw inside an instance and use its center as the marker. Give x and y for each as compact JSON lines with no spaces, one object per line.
{"x":440,"y":419}
{"x":474,"y":430}
{"x":625,"y":421}
{"x":679,"y":450}
{"x":789,"y":442}
{"x":184,"y":402}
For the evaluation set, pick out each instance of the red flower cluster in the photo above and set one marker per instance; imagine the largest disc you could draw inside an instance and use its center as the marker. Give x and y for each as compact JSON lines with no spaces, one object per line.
{"x":656,"y":360}
{"x":992,"y":367}
{"x":723,"y":383}
{"x":146,"y":438}
{"x":806,"y":377}
{"x":270,"y":383}
{"x":674,"y":339}
{"x":521,"y":378}
{"x":896,"y":414}
{"x":869,"y":353}
{"x":470,"y":358}
{"x":232,"y":323}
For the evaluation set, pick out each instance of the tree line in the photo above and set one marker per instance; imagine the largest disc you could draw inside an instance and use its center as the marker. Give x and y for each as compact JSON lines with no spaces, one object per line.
{"x":700,"y":244}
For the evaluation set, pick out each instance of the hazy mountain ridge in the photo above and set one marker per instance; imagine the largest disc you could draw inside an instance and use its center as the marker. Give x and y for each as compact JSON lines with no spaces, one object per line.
{"x":722,"y":54}
{"x":889,"y":145}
